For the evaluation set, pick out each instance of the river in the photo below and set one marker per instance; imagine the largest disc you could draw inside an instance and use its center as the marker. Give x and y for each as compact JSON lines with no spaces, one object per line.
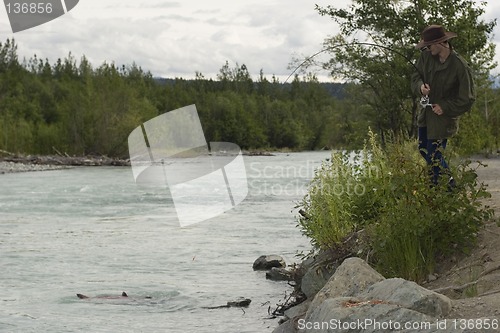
{"x":92,"y":230}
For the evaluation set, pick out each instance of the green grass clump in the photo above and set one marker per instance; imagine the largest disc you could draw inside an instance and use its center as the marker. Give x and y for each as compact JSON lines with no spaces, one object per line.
{"x":387,"y":193}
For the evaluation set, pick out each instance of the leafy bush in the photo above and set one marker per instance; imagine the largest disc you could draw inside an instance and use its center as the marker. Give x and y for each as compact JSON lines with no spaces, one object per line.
{"x":387,"y":193}
{"x":467,"y":141}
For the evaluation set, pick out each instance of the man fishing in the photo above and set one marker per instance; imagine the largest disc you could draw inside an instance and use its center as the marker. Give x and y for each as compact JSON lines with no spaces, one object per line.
{"x":444,"y":81}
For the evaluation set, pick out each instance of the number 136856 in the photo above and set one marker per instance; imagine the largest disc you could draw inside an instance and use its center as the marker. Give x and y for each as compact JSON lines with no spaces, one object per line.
{"x":29,"y":8}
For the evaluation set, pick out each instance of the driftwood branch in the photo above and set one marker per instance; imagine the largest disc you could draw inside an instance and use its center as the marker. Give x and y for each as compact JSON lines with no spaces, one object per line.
{"x":57,"y":151}
{"x":489,"y":293}
{"x":469,"y":284}
{"x":490,"y":270}
{"x":456,"y":288}
{"x":7,"y":153}
{"x":242,"y":303}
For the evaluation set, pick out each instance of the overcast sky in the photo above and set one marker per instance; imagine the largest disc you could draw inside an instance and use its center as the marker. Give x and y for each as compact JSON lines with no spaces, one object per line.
{"x":177,"y":38}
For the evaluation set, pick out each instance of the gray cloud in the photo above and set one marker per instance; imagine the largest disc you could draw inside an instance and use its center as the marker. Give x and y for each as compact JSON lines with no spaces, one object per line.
{"x":165,"y":4}
{"x":173,"y":38}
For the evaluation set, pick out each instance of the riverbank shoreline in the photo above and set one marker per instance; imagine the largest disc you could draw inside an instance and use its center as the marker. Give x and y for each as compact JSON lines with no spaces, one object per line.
{"x":10,"y":163}
{"x":14,"y":163}
{"x":13,"y":167}
{"x":470,"y":281}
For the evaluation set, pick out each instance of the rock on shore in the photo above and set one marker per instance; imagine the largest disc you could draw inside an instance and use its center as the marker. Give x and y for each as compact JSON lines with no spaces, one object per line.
{"x":356,"y":298}
{"x":267,"y":262}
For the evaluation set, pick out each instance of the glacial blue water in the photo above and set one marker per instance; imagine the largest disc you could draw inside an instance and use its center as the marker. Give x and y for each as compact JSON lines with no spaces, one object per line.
{"x":93,"y":231}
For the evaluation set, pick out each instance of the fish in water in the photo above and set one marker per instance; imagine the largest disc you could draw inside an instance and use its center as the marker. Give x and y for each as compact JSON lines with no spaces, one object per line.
{"x":122,"y":296}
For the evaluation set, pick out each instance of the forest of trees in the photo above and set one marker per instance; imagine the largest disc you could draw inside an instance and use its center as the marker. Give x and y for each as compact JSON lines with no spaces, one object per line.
{"x":76,"y":108}
{"x":73,"y":107}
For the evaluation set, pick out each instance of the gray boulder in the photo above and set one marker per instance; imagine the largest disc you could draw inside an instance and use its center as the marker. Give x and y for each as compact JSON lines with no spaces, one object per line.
{"x":264,"y":263}
{"x":298,"y":310}
{"x":315,"y":278}
{"x":352,"y":277}
{"x":343,"y":314}
{"x":279,"y":274}
{"x":410,"y":295}
{"x":290,"y":326}
{"x":358,"y":299}
{"x":317,"y":270}
{"x":348,"y":314}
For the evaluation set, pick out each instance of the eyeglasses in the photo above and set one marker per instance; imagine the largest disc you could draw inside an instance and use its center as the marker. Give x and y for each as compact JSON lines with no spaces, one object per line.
{"x":428,"y":47}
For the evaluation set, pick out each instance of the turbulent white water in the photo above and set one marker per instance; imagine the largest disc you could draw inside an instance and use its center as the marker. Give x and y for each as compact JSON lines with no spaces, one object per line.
{"x":94,"y":231}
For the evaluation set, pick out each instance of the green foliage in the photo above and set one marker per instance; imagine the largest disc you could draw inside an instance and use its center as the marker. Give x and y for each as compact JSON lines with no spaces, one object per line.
{"x":388,"y":194}
{"x":76,"y":108}
{"x":72,"y":107}
{"x":467,"y":142}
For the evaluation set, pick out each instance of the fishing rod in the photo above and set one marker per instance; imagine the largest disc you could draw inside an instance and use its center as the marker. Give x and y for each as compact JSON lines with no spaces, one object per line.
{"x":424,"y":100}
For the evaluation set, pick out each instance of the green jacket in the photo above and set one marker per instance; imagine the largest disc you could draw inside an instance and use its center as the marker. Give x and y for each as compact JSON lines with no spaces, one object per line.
{"x":452,"y":87}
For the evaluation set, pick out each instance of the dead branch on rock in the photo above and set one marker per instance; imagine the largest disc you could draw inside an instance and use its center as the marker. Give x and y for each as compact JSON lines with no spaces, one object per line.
{"x":458,"y":289}
{"x":469,"y":284}
{"x":490,"y":270}
{"x":489,"y":293}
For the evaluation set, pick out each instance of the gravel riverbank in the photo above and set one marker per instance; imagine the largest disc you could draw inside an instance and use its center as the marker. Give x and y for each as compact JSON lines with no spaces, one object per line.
{"x":16,"y":163}
{"x":13,"y":167}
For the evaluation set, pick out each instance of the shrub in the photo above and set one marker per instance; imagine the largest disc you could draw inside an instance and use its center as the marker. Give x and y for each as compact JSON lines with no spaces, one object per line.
{"x":388,"y":194}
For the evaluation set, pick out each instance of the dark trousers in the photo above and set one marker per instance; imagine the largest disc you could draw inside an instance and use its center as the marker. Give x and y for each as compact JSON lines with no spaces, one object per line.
{"x":432,"y":151}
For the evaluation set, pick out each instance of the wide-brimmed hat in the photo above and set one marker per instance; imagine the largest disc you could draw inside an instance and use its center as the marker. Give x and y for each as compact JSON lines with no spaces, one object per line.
{"x":434,"y":34}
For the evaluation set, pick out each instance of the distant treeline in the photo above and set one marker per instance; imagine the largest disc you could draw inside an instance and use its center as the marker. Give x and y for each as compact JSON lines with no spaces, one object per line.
{"x":75,"y":108}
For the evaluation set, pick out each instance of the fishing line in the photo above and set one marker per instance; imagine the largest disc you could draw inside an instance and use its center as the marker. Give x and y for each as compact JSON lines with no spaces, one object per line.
{"x":424,"y":100}
{"x":350,"y":44}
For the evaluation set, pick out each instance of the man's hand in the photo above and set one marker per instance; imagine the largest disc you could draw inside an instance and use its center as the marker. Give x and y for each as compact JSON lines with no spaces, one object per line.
{"x":437,"y":109}
{"x":425,"y":89}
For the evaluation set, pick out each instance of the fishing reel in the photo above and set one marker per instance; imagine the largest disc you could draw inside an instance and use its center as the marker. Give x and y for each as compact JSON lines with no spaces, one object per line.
{"x":425,"y":102}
